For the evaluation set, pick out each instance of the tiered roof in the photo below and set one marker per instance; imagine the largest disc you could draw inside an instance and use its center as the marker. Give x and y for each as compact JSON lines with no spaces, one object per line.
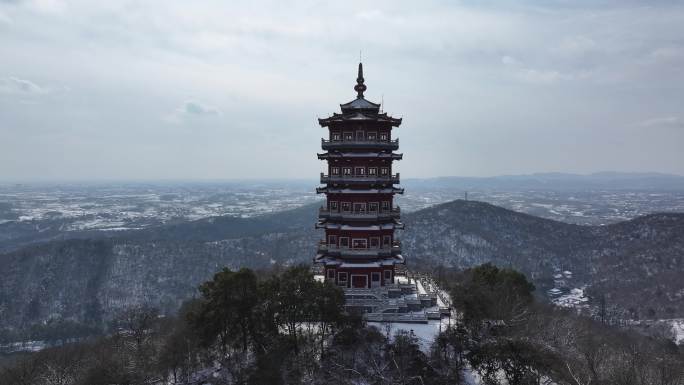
{"x":360,"y":108}
{"x":357,"y":116}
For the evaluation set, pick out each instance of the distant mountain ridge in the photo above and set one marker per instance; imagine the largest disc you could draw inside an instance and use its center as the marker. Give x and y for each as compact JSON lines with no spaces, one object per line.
{"x":608,"y":180}
{"x":637,"y":263}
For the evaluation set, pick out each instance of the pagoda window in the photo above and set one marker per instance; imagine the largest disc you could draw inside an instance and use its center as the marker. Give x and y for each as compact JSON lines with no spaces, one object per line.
{"x":346,"y":207}
{"x":386,"y":240}
{"x":383,"y":136}
{"x":384,"y":171}
{"x":360,"y":171}
{"x":375,"y":279}
{"x":331,"y":274}
{"x":372,"y":171}
{"x":332,"y":240}
{"x":359,"y":135}
{"x":373,"y":207}
{"x":372,"y":135}
{"x":388,"y":275}
{"x":347,"y":170}
{"x":333,"y":206}
{"x":359,"y":243}
{"x":348,"y":136}
{"x":342,"y":277}
{"x":335,"y":170}
{"x":375,"y":242}
{"x":344,"y":242}
{"x":359,"y":207}
{"x":336,"y":136}
{"x":385,"y":205}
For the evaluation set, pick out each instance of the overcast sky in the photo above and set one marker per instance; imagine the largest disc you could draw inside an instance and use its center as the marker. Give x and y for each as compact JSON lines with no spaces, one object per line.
{"x":223,"y":89}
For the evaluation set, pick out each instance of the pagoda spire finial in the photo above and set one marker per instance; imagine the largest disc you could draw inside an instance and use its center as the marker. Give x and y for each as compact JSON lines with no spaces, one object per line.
{"x":360,"y":87}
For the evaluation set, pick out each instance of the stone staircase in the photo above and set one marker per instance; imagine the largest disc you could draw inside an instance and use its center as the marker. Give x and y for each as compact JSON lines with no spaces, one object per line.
{"x":400,"y":302}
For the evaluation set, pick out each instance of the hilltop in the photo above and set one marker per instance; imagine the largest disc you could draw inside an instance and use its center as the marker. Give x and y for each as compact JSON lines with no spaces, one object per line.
{"x":632,"y":264}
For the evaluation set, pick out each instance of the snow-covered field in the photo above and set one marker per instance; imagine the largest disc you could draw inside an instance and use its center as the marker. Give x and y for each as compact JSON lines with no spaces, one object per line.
{"x":138,"y":205}
{"x":120,"y":206}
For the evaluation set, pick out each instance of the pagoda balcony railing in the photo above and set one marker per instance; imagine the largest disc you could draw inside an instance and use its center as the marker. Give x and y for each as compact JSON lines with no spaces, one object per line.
{"x":377,"y":155}
{"x":346,"y":252}
{"x":363,"y":216}
{"x":360,"y":144}
{"x":393,"y":179}
{"x":395,"y":244}
{"x":337,"y":190}
{"x":331,"y":224}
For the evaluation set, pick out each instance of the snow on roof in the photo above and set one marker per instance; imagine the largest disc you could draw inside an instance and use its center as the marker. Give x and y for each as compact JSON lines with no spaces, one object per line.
{"x":360,"y":103}
{"x":355,"y":265}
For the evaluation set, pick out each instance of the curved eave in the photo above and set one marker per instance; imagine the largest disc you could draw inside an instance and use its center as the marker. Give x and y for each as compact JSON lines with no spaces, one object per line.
{"x":323,"y":224}
{"x":352,"y":145}
{"x":385,"y":224}
{"x":373,"y":155}
{"x":328,"y":260}
{"x":359,"y":116}
{"x":382,"y":216}
{"x":360,"y":253}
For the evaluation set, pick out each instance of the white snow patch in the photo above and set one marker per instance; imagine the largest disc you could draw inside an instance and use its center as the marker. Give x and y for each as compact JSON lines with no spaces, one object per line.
{"x":678,"y":329}
{"x":574,"y":299}
{"x":425,"y":333}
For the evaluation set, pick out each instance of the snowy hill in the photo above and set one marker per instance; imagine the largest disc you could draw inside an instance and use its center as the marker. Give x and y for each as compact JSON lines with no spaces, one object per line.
{"x":88,"y":280}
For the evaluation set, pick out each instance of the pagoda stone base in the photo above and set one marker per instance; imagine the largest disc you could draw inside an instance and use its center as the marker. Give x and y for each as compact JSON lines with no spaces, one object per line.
{"x":405,"y":301}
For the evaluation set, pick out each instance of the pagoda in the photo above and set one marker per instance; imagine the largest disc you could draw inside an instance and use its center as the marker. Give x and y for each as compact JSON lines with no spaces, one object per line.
{"x":360,"y":249}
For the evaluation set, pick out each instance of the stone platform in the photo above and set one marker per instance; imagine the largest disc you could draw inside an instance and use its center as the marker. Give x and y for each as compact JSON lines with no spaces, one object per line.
{"x":410,"y":299}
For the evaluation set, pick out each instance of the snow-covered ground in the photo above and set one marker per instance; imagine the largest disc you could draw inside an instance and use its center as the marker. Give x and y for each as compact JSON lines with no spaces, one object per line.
{"x":575,"y":298}
{"x":26,"y":346}
{"x":678,"y":330}
{"x":425,"y":333}
{"x":670,"y":328}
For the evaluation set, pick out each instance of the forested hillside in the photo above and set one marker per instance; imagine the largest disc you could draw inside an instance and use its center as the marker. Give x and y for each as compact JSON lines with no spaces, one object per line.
{"x":633,"y":265}
{"x":288,"y":328}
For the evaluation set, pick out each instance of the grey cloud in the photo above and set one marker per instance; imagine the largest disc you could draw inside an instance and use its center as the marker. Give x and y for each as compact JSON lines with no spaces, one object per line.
{"x":196,"y":108}
{"x":537,"y":76}
{"x":14,"y":85}
{"x":5,"y":20}
{"x":660,"y":122}
{"x":190,"y":111}
{"x":485,"y":88}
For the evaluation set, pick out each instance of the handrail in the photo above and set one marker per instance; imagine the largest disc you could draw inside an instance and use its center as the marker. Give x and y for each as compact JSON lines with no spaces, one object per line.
{"x":395,"y":210}
{"x":395,"y":244}
{"x":360,"y":251}
{"x":362,"y":141}
{"x":367,"y":176}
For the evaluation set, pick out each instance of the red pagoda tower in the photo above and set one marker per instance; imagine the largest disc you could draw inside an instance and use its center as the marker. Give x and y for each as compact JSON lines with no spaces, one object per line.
{"x":359,"y":217}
